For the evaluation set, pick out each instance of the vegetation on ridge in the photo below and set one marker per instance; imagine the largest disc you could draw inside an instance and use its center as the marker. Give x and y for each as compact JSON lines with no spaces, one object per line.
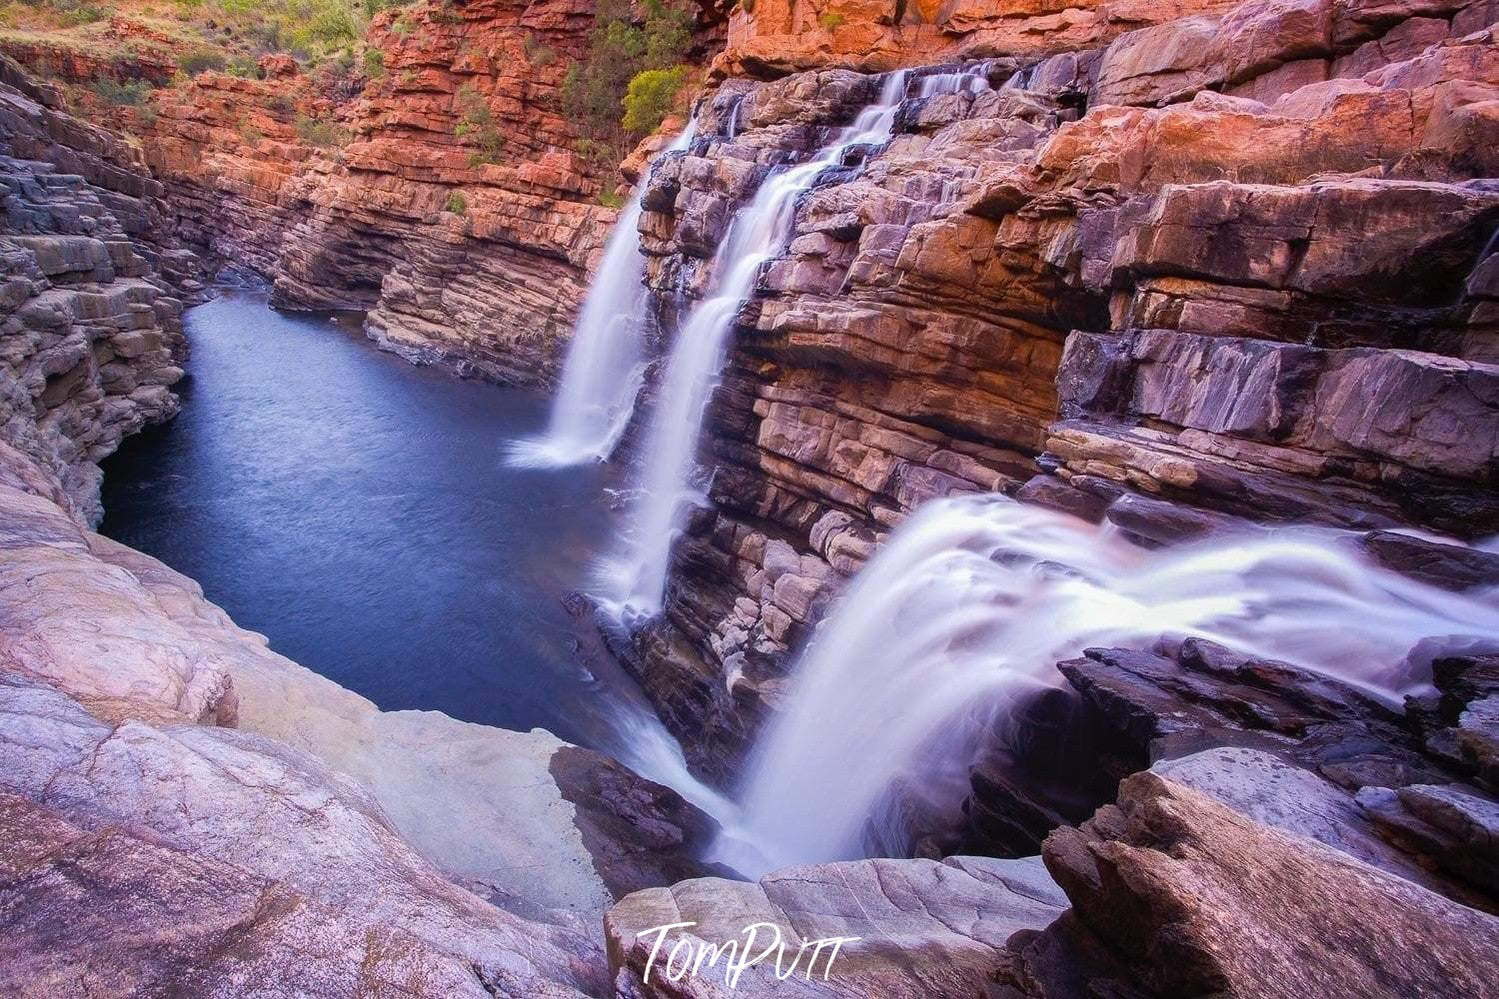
{"x":631,"y":76}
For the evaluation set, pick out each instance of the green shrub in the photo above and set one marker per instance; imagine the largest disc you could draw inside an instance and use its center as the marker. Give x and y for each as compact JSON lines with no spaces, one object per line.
{"x":594,"y":89}
{"x":650,"y":97}
{"x":374,"y":63}
{"x":72,"y":13}
{"x":538,"y":53}
{"x":245,"y":68}
{"x":147,"y":115}
{"x":610,"y":197}
{"x":200,"y":61}
{"x":456,"y":203}
{"x":476,"y":124}
{"x":332,"y":24}
{"x":402,"y":27}
{"x":250,"y":135}
{"x":373,"y":7}
{"x":131,"y":93}
{"x":831,"y":20}
{"x":319,"y":133}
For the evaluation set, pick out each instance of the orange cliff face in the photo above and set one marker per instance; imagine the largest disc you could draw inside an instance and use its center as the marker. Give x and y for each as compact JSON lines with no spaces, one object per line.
{"x":468,"y":246}
{"x":768,"y":38}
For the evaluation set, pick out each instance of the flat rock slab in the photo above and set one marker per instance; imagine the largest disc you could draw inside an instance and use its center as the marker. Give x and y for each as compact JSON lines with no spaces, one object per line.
{"x":925,"y":928}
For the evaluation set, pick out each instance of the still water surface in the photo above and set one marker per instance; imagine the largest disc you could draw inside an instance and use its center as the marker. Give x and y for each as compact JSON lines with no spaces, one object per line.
{"x":358,"y":511}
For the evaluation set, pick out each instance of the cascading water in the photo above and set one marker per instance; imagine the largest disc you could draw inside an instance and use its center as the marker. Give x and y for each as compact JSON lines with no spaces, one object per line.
{"x":635,"y":581}
{"x":974,"y":600}
{"x":974,"y":80}
{"x":604,"y":369}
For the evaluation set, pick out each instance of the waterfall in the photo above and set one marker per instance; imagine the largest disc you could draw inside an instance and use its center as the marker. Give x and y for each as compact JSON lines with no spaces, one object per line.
{"x":635,"y":580}
{"x":972,"y":602}
{"x":974,"y":80}
{"x":604,"y":369}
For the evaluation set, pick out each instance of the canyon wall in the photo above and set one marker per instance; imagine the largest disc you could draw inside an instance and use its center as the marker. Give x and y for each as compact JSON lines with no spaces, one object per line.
{"x":769,"y":38}
{"x":463,"y":254}
{"x":1237,"y":263}
{"x":182,"y":807}
{"x":93,"y":291}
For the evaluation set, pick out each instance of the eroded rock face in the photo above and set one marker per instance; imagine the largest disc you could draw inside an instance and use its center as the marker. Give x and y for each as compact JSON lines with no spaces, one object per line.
{"x":91,"y":294}
{"x":1407,"y":791}
{"x":780,"y":36}
{"x":1184,"y":266}
{"x":1254,"y":885}
{"x":472,"y":257}
{"x":177,"y":800}
{"x":1186,"y":897}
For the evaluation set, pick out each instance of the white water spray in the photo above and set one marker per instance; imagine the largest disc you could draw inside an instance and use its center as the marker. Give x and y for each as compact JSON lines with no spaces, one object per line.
{"x":974,"y":600}
{"x":635,"y":581}
{"x":604,"y":369}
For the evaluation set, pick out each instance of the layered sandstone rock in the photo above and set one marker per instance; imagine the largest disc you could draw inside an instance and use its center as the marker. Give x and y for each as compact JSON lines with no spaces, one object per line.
{"x":236,"y":820}
{"x":771,"y":37}
{"x":91,"y":296}
{"x":476,"y":257}
{"x":1225,"y":261}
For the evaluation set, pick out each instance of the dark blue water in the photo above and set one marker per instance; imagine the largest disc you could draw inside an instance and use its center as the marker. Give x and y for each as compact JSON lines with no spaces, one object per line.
{"x":357,"y":511}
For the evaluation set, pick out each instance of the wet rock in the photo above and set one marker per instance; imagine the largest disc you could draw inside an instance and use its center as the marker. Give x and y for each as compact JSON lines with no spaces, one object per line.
{"x":1210,"y":264}
{"x":639,"y":834}
{"x":1452,"y":567}
{"x":1462,"y":680}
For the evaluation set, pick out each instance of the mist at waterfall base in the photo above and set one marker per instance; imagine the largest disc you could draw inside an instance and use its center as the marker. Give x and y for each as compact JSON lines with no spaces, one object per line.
{"x":970,"y":604}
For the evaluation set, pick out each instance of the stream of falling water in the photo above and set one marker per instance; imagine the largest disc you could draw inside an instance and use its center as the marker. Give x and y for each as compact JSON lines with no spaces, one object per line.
{"x":973,"y":601}
{"x":635,"y":579}
{"x":605,"y":367}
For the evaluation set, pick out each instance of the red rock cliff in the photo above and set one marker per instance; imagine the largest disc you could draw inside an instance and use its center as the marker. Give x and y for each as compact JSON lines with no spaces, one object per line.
{"x":471,"y":255}
{"x":1237,"y":262}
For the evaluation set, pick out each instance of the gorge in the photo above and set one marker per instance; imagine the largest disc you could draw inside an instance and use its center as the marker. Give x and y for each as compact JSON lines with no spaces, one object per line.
{"x":1018,"y":490}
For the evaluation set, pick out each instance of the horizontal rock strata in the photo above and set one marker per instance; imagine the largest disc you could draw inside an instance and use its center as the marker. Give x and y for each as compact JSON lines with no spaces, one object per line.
{"x":473,"y":258}
{"x":178,"y":802}
{"x":92,"y":292}
{"x":1205,"y":262}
